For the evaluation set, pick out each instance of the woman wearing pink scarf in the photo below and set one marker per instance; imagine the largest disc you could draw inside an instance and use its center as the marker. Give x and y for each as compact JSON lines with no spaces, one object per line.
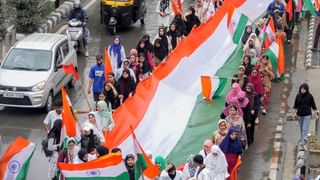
{"x":233,"y":93}
{"x":207,"y":144}
{"x":256,"y":80}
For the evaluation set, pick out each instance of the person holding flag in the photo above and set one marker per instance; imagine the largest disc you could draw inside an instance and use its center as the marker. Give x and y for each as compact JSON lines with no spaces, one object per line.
{"x":289,"y":23}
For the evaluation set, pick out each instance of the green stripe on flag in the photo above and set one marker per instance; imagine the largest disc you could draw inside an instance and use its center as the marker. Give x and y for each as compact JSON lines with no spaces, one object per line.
{"x":222,"y":83}
{"x":140,"y":165}
{"x":24,"y":169}
{"x":273,"y":59}
{"x":205,"y":116}
{"x":240,"y":29}
{"x":310,"y":7}
{"x":123,"y":176}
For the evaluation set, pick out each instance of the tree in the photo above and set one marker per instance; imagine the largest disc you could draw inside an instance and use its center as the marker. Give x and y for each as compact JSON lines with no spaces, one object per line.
{"x":29,"y":14}
{"x":2,"y":20}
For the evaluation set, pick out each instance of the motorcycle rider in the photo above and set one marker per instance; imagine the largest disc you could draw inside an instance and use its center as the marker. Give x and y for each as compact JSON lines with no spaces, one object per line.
{"x":79,"y":14}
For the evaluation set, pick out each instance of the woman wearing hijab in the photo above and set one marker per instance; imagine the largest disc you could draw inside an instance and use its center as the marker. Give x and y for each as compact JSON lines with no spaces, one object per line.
{"x":266,"y":71}
{"x":221,"y":133}
{"x":217,"y":164}
{"x":234,"y":120}
{"x":231,"y":147}
{"x":97,"y":127}
{"x":253,"y":56}
{"x":116,"y":53}
{"x":133,"y":58}
{"x":104,"y":113}
{"x":174,"y":35}
{"x":181,"y":25}
{"x":54,"y":145}
{"x":69,"y":155}
{"x":160,"y":162}
{"x":126,"y":86}
{"x":303,"y":104}
{"x":160,"y":52}
{"x":233,"y":93}
{"x":164,"y":9}
{"x":125,"y":65}
{"x":141,"y":48}
{"x":207,"y":144}
{"x":147,"y":42}
{"x":190,"y":169}
{"x":246,"y":34}
{"x":252,"y":43}
{"x":256,"y":81}
{"x":246,"y":62}
{"x":144,"y":68}
{"x":162,"y":35}
{"x":111,"y":94}
{"x":191,"y":20}
{"x":129,"y":162}
{"x":240,"y":78}
{"x":254,"y":106}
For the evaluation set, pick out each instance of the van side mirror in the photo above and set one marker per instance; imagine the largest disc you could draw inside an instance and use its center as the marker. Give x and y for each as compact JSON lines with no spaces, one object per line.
{"x":57,"y":67}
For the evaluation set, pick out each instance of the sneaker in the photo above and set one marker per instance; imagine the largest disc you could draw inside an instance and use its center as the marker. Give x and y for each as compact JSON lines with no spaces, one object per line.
{"x":264,"y":111}
{"x":86,"y":54}
{"x":256,"y":121}
{"x":289,"y":41}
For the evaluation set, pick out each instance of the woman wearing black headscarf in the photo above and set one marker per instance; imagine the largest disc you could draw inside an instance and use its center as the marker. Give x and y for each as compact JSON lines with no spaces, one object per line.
{"x":54,"y":144}
{"x":126,"y":86}
{"x":191,"y":20}
{"x":159,"y":53}
{"x":246,"y":34}
{"x":129,"y":162}
{"x":147,"y":42}
{"x":173,"y":35}
{"x":181,"y":25}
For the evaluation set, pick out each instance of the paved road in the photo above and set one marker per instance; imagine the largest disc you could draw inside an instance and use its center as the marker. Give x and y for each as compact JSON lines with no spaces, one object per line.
{"x":28,"y":122}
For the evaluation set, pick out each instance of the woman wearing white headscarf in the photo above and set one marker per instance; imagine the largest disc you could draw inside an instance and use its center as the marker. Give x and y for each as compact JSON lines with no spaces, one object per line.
{"x":104,"y":116}
{"x":217,"y":164}
{"x":97,"y":127}
{"x":256,"y":44}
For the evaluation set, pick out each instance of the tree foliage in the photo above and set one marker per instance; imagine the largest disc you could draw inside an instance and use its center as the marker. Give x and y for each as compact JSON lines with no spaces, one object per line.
{"x":29,"y":14}
{"x":2,"y":20}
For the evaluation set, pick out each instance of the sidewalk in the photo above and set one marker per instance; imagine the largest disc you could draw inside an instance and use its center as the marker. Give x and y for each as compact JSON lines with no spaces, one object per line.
{"x":299,"y":75}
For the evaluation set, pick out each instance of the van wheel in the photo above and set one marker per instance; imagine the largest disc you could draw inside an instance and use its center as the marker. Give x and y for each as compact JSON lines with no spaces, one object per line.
{"x":48,"y":106}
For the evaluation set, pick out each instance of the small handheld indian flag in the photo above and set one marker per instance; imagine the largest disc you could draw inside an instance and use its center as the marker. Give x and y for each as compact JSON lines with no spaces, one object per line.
{"x":15,"y":162}
{"x":144,"y":168}
{"x":276,"y":56}
{"x":211,"y":86}
{"x":107,"y":63}
{"x":108,"y":167}
{"x":69,"y":124}
{"x":270,"y":34}
{"x":236,"y":23}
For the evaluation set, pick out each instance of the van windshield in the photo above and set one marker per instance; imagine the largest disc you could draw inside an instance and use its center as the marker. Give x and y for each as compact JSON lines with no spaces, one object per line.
{"x":28,"y":59}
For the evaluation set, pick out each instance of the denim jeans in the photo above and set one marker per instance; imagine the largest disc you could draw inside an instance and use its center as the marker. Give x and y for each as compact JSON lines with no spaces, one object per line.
{"x":304,"y":122}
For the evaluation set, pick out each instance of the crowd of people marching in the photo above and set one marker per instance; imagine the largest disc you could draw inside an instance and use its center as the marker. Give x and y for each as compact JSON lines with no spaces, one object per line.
{"x":250,"y":93}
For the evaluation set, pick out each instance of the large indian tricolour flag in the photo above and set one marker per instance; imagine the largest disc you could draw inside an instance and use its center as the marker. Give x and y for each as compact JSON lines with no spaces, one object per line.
{"x":167,"y":111}
{"x":108,"y":167}
{"x":14,"y":164}
{"x":237,"y":22}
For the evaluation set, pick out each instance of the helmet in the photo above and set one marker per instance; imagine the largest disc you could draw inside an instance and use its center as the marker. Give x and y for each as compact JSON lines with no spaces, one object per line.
{"x":77,"y":3}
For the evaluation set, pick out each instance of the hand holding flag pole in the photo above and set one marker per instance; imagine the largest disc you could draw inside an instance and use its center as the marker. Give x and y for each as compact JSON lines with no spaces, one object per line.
{"x":70,"y":69}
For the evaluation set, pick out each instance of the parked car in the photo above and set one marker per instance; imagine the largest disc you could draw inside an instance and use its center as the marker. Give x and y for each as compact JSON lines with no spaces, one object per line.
{"x":31,"y":73}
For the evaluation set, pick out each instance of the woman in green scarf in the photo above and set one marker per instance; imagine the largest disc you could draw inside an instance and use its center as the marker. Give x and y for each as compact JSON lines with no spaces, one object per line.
{"x":160,"y":162}
{"x":104,"y":113}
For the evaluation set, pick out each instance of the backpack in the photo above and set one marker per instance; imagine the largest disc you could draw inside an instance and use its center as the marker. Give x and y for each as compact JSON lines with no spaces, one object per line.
{"x":45,"y":149}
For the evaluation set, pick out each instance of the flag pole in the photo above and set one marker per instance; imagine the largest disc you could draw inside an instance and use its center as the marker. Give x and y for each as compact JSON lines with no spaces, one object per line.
{"x":85,"y":95}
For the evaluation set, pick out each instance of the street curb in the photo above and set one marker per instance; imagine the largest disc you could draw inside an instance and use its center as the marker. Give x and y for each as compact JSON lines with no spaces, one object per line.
{"x":310,"y":43}
{"x":56,"y":16}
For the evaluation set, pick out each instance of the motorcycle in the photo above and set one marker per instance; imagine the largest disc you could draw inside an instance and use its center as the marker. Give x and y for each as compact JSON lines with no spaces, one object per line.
{"x":75,"y":33}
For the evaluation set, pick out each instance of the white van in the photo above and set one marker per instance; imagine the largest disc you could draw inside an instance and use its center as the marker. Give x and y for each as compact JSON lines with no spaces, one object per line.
{"x":31,"y":73}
